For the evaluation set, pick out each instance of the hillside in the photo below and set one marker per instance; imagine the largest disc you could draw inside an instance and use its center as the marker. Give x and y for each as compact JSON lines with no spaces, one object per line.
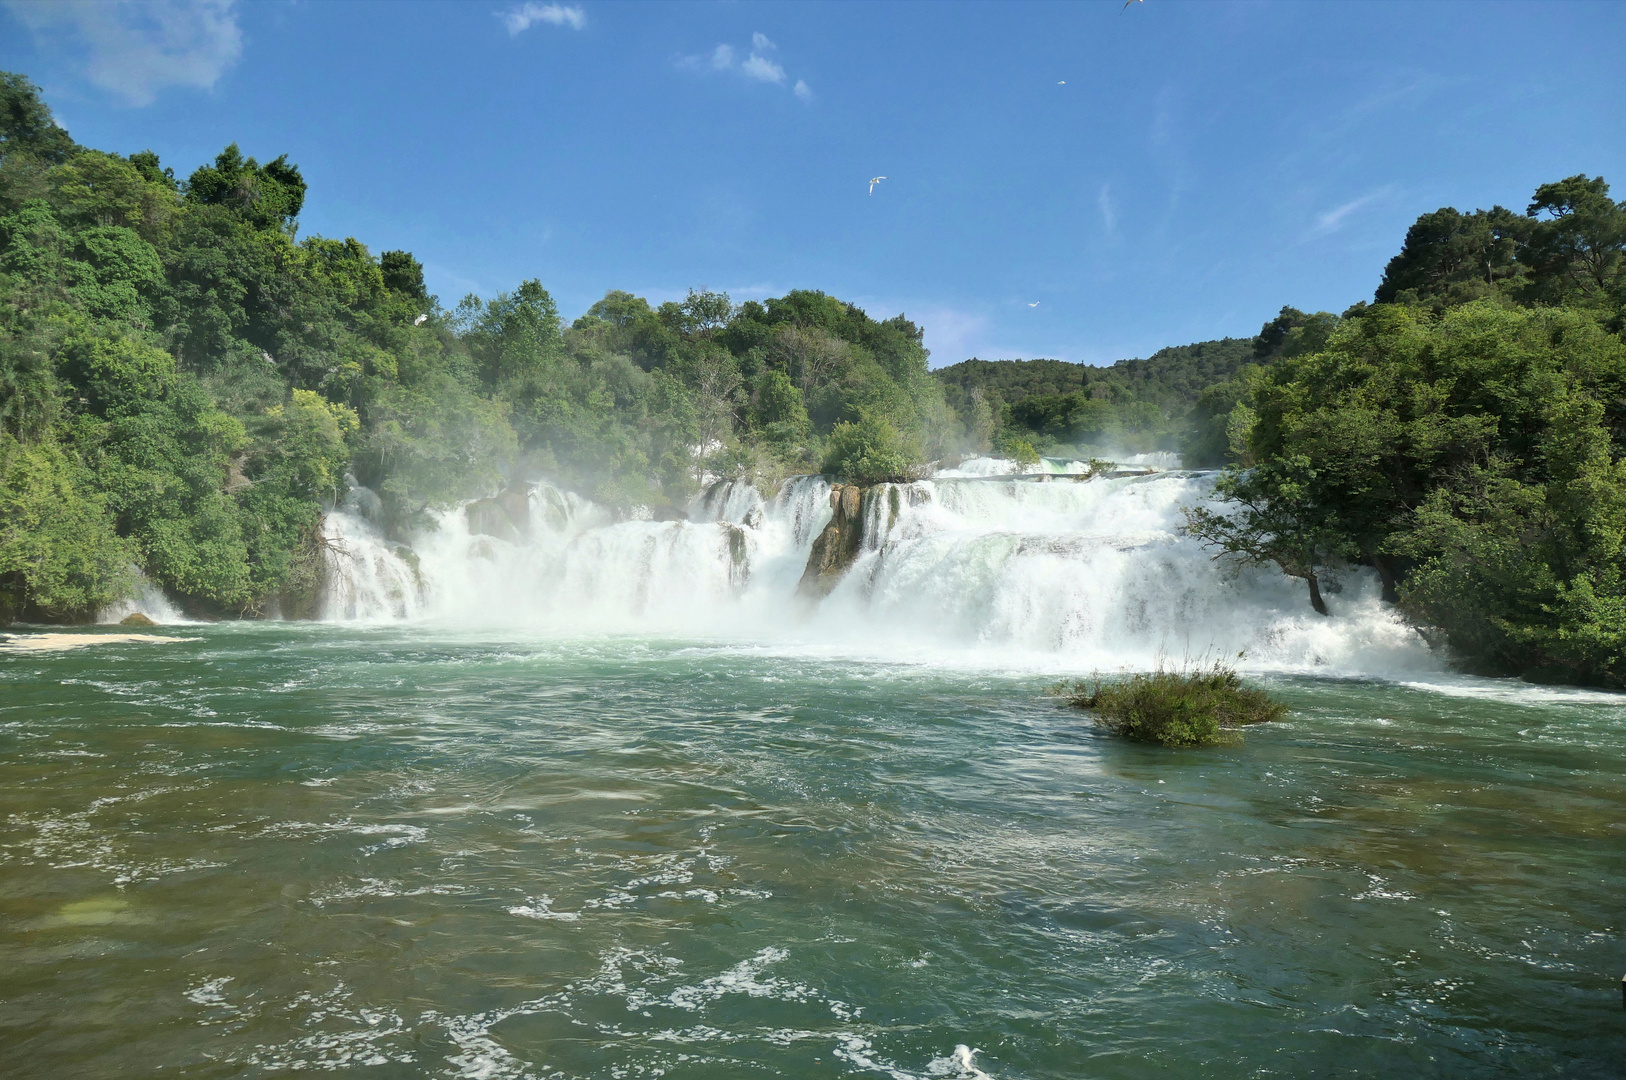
{"x":1061,"y":407}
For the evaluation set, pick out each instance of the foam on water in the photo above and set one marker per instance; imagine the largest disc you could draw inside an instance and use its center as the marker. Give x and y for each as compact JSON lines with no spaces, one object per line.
{"x":1055,"y":570}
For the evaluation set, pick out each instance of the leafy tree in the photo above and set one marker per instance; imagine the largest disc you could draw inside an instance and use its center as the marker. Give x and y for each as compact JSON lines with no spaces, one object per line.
{"x":1457,"y":257}
{"x":404,"y":274}
{"x":60,"y":557}
{"x":1277,"y":520}
{"x":26,"y":123}
{"x":868,"y":451}
{"x":1575,"y":252}
{"x":267,"y":197}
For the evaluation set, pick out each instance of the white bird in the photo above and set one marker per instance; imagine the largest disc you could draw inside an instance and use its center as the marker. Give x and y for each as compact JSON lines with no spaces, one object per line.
{"x":419,"y":320}
{"x":1034,"y":304}
{"x":1061,"y":82}
{"x":1127,"y":3}
{"x":873,"y":181}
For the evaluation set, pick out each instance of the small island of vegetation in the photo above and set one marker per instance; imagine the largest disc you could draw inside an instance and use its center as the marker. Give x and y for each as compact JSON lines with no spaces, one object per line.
{"x":1187,"y":706}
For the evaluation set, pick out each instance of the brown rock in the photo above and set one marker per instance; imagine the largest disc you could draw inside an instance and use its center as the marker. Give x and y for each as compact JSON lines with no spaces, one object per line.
{"x":135,"y":618}
{"x":838,"y":545}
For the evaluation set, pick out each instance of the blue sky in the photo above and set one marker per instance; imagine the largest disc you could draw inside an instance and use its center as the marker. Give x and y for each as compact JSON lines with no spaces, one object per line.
{"x":1067,"y":180}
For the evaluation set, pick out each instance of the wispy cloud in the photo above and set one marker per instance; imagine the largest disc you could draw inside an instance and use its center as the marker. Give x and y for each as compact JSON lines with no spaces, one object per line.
{"x":762,"y":69}
{"x":952,"y":334}
{"x":757,"y":65}
{"x":1109,"y":212}
{"x":136,"y":50}
{"x":522,"y":18}
{"x":1332,"y":220}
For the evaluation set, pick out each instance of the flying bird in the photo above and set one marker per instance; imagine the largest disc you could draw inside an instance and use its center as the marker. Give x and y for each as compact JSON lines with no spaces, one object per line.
{"x":1127,"y":3}
{"x":873,"y":181}
{"x":1061,"y":82}
{"x":1034,"y":304}
{"x":419,"y":320}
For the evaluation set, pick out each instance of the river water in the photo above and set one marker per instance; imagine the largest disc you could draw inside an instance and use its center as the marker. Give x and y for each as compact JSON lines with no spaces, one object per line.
{"x":466,"y":843}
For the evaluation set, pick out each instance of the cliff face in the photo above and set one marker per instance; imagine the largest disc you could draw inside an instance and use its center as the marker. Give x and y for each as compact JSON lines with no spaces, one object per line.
{"x":838,"y":545}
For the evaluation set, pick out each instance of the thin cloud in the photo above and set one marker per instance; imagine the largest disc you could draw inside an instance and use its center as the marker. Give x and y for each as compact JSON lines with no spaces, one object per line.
{"x":1109,"y":212}
{"x":763,"y":69}
{"x":1333,"y":220}
{"x":952,"y":334}
{"x":756,"y":66}
{"x":520,"y":19}
{"x":136,"y":50}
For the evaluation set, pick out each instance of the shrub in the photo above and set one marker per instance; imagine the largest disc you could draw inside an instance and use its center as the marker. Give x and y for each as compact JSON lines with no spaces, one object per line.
{"x":1175,"y":708}
{"x":1016,"y":447}
{"x":868,"y":452}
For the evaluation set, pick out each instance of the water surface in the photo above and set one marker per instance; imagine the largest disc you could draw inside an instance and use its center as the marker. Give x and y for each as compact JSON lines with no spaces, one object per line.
{"x":403,"y":851}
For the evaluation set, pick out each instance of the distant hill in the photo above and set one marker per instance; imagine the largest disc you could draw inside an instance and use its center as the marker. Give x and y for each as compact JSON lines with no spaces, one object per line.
{"x":1170,"y":378}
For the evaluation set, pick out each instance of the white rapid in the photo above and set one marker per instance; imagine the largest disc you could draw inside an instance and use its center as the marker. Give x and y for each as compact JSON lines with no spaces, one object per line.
{"x":1057,"y":571}
{"x":148,"y":600}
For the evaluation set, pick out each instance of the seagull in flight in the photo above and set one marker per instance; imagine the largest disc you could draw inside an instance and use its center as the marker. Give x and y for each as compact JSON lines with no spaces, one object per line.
{"x":873,"y":181}
{"x":1034,"y":304}
{"x":419,"y":320}
{"x":1127,"y":3}
{"x":1061,"y":82}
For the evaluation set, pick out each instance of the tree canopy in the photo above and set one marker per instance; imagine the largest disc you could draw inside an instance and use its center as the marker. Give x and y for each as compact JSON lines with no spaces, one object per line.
{"x":186,"y":382}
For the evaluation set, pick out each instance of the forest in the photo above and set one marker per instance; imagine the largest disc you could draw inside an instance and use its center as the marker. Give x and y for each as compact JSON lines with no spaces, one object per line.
{"x":186,"y":382}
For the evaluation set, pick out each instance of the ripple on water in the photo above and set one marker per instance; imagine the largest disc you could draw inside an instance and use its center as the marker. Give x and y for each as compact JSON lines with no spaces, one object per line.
{"x":395,"y":851}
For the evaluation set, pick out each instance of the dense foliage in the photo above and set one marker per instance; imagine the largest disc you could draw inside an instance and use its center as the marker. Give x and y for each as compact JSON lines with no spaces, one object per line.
{"x":1064,"y":408}
{"x":185,"y":382}
{"x":1464,"y":435}
{"x":1186,"y":707}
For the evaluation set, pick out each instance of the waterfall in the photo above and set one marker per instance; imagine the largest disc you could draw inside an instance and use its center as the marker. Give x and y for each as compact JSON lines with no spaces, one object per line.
{"x":148,"y":599}
{"x":1095,"y":569}
{"x":1089,"y":573}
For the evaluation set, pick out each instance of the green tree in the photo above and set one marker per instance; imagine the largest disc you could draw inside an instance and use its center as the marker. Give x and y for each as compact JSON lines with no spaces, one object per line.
{"x":26,"y":123}
{"x":868,"y":451}
{"x":266,"y":196}
{"x":1277,"y":519}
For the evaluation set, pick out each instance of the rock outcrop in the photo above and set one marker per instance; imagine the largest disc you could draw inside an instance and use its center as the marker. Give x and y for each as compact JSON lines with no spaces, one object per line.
{"x":838,"y":545}
{"x":505,"y":516}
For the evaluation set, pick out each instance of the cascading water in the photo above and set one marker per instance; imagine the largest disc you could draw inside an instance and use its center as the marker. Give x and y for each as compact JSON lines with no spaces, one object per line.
{"x":1060,"y":570}
{"x":148,"y":600}
{"x":1094,"y":569}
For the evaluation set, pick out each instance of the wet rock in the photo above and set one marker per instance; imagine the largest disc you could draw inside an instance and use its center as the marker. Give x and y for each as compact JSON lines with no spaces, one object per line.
{"x":135,"y":618}
{"x":505,"y":516}
{"x":838,"y":545}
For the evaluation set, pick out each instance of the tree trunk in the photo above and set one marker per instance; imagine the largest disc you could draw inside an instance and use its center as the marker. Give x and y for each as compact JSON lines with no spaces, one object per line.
{"x":1386,"y":574}
{"x":1316,"y":602}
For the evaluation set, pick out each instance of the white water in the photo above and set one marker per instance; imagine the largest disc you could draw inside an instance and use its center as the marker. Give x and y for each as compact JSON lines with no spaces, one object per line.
{"x":1063,"y":573}
{"x":148,"y":600}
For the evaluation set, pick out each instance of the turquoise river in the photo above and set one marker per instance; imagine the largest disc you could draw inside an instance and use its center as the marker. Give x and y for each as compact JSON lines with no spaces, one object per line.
{"x":392,"y":852}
